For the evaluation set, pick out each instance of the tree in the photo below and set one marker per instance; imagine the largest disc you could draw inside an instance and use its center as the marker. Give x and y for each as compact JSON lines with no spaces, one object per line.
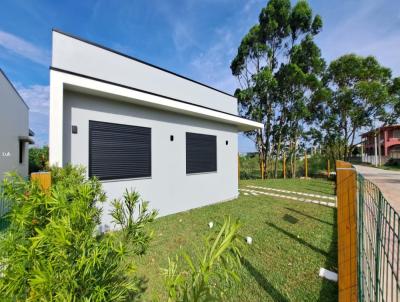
{"x":38,"y":159}
{"x":278,"y":67}
{"x":358,"y":92}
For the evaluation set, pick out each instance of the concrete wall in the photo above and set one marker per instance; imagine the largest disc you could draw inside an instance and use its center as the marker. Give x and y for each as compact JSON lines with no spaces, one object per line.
{"x":76,"y":56}
{"x":169,"y":189}
{"x":14,"y":122}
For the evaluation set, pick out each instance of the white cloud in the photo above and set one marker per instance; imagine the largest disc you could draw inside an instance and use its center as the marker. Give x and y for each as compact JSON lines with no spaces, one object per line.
{"x":213,"y":65}
{"x":23,"y":48}
{"x":371,"y":29}
{"x":37,"y":98}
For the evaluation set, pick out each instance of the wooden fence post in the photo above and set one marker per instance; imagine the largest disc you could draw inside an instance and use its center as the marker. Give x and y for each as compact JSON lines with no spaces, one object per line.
{"x":328,"y":172}
{"x":305,"y":165}
{"x":284,"y":165}
{"x":346,"y":190}
{"x":238,"y":166}
{"x":262,"y":169}
{"x":44,"y":179}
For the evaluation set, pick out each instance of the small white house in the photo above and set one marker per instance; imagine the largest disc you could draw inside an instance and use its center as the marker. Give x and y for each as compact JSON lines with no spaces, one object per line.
{"x":138,"y":126}
{"x":14,"y":130}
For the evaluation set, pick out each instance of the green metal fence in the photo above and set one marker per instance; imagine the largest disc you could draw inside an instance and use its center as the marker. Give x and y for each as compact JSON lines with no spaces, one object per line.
{"x":378,"y":245}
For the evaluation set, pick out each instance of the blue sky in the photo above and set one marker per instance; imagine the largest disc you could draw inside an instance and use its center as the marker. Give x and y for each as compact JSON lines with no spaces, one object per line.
{"x":196,"y":38}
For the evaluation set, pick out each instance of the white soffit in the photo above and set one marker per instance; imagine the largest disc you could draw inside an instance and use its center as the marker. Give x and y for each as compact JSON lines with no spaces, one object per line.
{"x":97,"y":87}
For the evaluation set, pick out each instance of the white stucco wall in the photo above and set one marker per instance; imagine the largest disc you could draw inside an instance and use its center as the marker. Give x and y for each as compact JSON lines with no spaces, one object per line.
{"x":169,"y":189}
{"x":14,"y":122}
{"x":79,"y":57}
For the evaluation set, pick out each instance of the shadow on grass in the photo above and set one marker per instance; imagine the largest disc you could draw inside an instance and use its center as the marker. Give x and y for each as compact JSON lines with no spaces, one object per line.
{"x":263,"y":282}
{"x":329,"y":289}
{"x":299,"y":240}
{"x":309,"y":216}
{"x":291,"y":219}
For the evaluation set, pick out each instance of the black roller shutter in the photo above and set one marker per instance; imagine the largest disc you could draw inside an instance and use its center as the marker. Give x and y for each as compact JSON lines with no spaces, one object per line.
{"x":119,"y":151}
{"x":201,"y":153}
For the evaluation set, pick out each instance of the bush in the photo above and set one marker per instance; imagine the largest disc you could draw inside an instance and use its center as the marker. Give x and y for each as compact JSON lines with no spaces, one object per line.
{"x":52,"y":251}
{"x":210,"y":275}
{"x":393,"y":162}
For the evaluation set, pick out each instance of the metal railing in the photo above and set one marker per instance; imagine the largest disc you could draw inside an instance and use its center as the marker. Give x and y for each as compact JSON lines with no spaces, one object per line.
{"x":378,"y":230}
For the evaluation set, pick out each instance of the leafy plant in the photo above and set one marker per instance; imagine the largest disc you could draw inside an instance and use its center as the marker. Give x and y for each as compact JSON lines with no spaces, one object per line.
{"x":132,"y":215}
{"x":210,"y":275}
{"x":51,"y":250}
{"x":38,"y":159}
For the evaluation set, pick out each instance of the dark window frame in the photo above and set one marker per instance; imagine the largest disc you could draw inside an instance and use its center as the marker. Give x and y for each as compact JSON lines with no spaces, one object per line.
{"x":21,"y":151}
{"x":201,"y":153}
{"x":129,"y":130}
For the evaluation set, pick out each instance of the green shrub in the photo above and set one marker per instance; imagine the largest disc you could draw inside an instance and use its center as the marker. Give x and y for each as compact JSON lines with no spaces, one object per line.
{"x":38,"y":159}
{"x":52,"y":251}
{"x":211,"y":274}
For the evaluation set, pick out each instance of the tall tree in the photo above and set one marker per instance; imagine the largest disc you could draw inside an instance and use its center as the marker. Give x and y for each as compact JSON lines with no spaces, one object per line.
{"x":278,"y":67}
{"x":358,"y":92}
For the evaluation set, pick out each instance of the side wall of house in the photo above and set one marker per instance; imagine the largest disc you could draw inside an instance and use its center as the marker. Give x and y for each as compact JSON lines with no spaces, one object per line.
{"x":169,"y":189}
{"x":14,"y":121}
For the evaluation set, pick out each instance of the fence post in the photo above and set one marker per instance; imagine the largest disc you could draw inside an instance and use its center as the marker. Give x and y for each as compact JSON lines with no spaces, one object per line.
{"x":305,"y":165}
{"x":238,"y":165}
{"x":328,"y":169}
{"x":43,"y":178}
{"x":378,"y":244}
{"x":360,"y":242}
{"x":284,"y":165}
{"x":346,"y":182}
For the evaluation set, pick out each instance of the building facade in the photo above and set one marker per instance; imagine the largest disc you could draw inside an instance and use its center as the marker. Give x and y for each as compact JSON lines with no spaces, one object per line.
{"x":387,"y":143}
{"x":138,"y":126}
{"x":14,"y":130}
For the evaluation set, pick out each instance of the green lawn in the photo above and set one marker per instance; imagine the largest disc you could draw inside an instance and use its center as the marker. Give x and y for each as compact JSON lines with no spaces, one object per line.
{"x":291,"y":241}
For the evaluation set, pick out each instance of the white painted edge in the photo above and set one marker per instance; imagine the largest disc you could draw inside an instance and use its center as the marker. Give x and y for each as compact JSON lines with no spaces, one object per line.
{"x":327,"y":274}
{"x":59,"y":81}
{"x":293,"y":192}
{"x":323,"y":203}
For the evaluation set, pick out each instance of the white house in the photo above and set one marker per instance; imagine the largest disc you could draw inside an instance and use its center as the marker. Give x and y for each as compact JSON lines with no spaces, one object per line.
{"x":14,"y":130}
{"x":136,"y":125}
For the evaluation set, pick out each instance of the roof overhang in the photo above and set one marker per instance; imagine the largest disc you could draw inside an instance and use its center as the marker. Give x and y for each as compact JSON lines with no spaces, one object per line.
{"x":86,"y":84}
{"x":26,"y":139}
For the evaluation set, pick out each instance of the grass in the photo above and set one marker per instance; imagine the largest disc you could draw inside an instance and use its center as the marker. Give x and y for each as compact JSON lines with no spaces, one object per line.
{"x":291,"y":241}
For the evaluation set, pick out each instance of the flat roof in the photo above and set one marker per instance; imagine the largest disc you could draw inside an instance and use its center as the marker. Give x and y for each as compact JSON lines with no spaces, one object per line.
{"x":92,"y":85}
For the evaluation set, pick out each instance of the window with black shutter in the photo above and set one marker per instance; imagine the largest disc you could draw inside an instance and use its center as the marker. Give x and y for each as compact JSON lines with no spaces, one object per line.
{"x":201,"y":153}
{"x":119,"y":151}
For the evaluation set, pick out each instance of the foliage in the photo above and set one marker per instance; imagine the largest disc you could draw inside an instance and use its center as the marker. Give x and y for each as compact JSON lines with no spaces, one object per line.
{"x":38,"y":159}
{"x":279,"y":66}
{"x":210,"y":275}
{"x":133,"y":215}
{"x":358,"y":92}
{"x":51,"y":250}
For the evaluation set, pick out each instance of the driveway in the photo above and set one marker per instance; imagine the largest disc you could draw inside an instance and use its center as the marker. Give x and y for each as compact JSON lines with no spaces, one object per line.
{"x":387,"y":181}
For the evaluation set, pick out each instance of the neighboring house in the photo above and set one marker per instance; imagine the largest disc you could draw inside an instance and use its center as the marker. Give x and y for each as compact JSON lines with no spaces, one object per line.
{"x":387,"y":139}
{"x":135,"y":125}
{"x":15,"y":134}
